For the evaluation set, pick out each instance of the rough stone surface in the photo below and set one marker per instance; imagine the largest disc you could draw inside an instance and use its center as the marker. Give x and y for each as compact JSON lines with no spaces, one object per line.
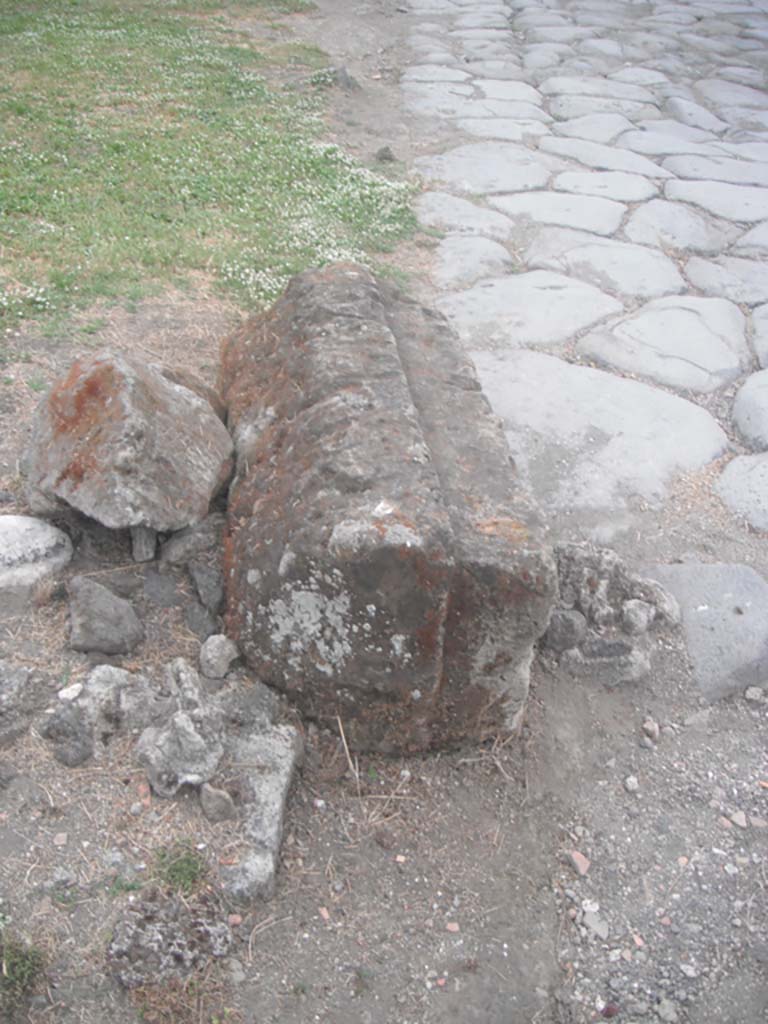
{"x":100,"y":620}
{"x":688,"y":343}
{"x":486,"y":167}
{"x":745,"y":203}
{"x":194,"y":540}
{"x":590,"y":213}
{"x":217,"y":804}
{"x":71,"y":734}
{"x":31,"y":551}
{"x":740,"y":280}
{"x":271,"y":759}
{"x":537,"y":308}
{"x":602,"y":128}
{"x":760,"y":333}
{"x":750,"y":410}
{"x":119,"y":442}
{"x":209,"y":584}
{"x":461,"y":260}
{"x":20,"y":697}
{"x":725,"y":623}
{"x":162,"y":937}
{"x":676,"y":226}
{"x":603,"y":158}
{"x":617,"y":185}
{"x":452,"y":213}
{"x":382,"y":564}
{"x":743,"y":486}
{"x":216,"y":656}
{"x":567,"y":628}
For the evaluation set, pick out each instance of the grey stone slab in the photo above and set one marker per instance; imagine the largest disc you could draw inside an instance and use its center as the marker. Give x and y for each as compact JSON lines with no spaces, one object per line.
{"x":594,"y":127}
{"x":760,"y":333}
{"x":684,"y":342}
{"x":601,"y":47}
{"x":586,"y":86}
{"x":631,"y":270}
{"x":505,"y":128}
{"x":543,"y":57}
{"x":482,"y":49}
{"x":754,"y":242}
{"x":743,"y":75}
{"x":487,"y":20}
{"x":741,"y":203}
{"x":463,"y":259}
{"x":486,"y":167}
{"x":538,"y":308}
{"x":508,"y":68}
{"x":747,"y":150}
{"x":725,"y":623}
{"x":676,"y":226}
{"x":750,"y":410}
{"x":628,"y":188}
{"x":558,"y":34}
{"x":743,"y":486}
{"x":603,"y":158}
{"x":594,"y":440}
{"x":718,"y":168}
{"x":589,"y":213}
{"x":451,"y":213}
{"x":695,"y":115}
{"x":433,"y":73}
{"x":740,"y":280}
{"x":31,"y":551}
{"x":678,"y":130}
{"x":454,"y":100}
{"x":500,"y":89}
{"x":722,"y":93}
{"x":565,"y":108}
{"x":662,"y":143}
{"x":638,"y":76}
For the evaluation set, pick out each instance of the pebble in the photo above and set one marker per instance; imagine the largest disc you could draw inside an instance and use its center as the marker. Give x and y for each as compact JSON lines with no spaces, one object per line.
{"x":135,"y":809}
{"x":631,"y":784}
{"x":579,"y":862}
{"x":755,"y":694}
{"x":666,"y":1011}
{"x":652,"y":729}
{"x":739,"y":819}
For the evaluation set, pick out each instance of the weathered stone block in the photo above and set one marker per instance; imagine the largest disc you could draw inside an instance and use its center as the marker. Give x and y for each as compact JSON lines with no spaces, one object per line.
{"x":383,"y":563}
{"x":120,"y":442}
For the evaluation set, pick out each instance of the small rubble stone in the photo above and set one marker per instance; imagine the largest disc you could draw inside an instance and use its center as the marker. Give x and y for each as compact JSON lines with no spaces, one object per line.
{"x":579,"y":862}
{"x":739,"y":819}
{"x":665,"y":1010}
{"x":652,"y":730}
{"x":637,"y":616}
{"x":143,"y":543}
{"x":194,"y":540}
{"x":217,"y":804}
{"x":121,"y":443}
{"x":567,"y":628}
{"x":756,"y":695}
{"x":200,"y":621}
{"x":31,"y":552}
{"x":100,"y":620}
{"x":216,"y":656}
{"x":71,"y":733}
{"x":209,"y":585}
{"x":631,"y":784}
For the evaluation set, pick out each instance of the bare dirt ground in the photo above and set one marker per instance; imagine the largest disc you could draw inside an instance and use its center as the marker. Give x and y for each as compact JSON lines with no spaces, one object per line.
{"x":410,"y":892}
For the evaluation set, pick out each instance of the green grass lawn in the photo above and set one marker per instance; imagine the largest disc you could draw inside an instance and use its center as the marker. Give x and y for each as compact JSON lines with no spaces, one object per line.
{"x":141,"y":142}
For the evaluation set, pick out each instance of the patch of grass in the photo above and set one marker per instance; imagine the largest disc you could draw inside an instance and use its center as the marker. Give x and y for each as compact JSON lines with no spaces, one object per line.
{"x":138,"y":145}
{"x":120,"y":886}
{"x":21,"y":965}
{"x":180,"y":867}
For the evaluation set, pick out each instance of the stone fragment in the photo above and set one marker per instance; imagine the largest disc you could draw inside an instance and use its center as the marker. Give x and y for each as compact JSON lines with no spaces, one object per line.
{"x":22,"y":691}
{"x":745,"y":203}
{"x":486,"y":167}
{"x":599,"y":215}
{"x":750,"y":410}
{"x":596,"y":924}
{"x":631,"y":784}
{"x":31,"y":552}
{"x":71,"y":734}
{"x":687,"y":342}
{"x":217,"y":804}
{"x":632,"y":270}
{"x":669,"y":225}
{"x":100,"y":620}
{"x":637,"y":616}
{"x":143,"y":543}
{"x":536,"y":308}
{"x":598,"y":438}
{"x":161,"y":937}
{"x":666,"y":1011}
{"x":567,"y":628}
{"x":603,"y":158}
{"x":451,"y":213}
{"x":275,"y":755}
{"x":200,"y":621}
{"x":370,"y":557}
{"x":618,"y":185}
{"x":725,"y":623}
{"x":755,"y":695}
{"x":119,"y":442}
{"x":209,"y":584}
{"x":579,"y":862}
{"x":729,"y":277}
{"x":739,"y":819}
{"x":461,"y":260}
{"x":217,"y":655}
{"x":205,"y":536}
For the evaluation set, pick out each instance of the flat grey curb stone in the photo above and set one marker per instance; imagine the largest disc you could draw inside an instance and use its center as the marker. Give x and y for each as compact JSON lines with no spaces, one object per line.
{"x":31,"y":551}
{"x":725,"y":623}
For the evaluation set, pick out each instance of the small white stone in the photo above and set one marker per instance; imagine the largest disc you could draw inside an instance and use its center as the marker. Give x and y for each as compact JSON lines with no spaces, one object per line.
{"x":631,"y":784}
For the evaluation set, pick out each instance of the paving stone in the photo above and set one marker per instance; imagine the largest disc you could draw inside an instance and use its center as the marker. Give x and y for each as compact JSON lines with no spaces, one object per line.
{"x":591,"y":213}
{"x":687,"y":343}
{"x":678,"y":130}
{"x":725,"y":623}
{"x":745,"y":203}
{"x":572,"y":86}
{"x":558,"y":34}
{"x":631,"y":270}
{"x":760,"y":333}
{"x":486,"y":167}
{"x":677,"y":226}
{"x":743,"y":486}
{"x":520,"y":92}
{"x":750,"y":410}
{"x":537,"y":308}
{"x":463,"y":259}
{"x":723,"y":93}
{"x":629,"y":188}
{"x":603,"y":47}
{"x":451,"y":213}
{"x":433,"y":73}
{"x":655,"y":142}
{"x":499,"y":69}
{"x":593,"y":439}
{"x":753,"y":242}
{"x":695,"y":115}
{"x":738,"y":172}
{"x":565,"y":108}
{"x":31,"y":552}
{"x":638,"y":76}
{"x":730,"y":277}
{"x":603,"y":158}
{"x":508,"y":129}
{"x":594,"y":127}
{"x":746,"y":150}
